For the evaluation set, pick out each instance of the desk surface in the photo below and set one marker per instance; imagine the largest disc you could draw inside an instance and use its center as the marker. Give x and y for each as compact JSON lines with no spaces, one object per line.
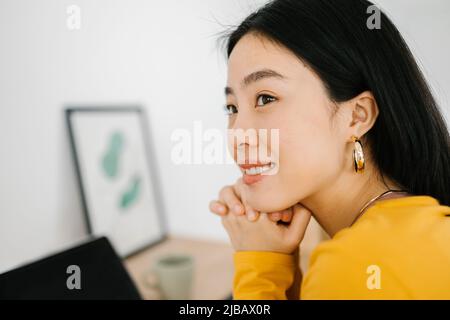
{"x":213,"y":271}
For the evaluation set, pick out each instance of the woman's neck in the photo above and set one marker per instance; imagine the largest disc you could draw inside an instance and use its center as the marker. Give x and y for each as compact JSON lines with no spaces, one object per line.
{"x":338,"y":205}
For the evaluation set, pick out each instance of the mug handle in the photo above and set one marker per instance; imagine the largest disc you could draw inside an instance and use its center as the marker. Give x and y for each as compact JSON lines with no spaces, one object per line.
{"x":152,"y":285}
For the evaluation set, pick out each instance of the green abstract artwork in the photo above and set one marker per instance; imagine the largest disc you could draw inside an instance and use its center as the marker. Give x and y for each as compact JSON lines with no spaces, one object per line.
{"x":130,"y":195}
{"x":110,"y":161}
{"x":110,"y":164}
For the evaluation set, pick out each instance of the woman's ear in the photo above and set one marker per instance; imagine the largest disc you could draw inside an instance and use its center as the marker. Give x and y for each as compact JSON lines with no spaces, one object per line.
{"x":363,"y":112}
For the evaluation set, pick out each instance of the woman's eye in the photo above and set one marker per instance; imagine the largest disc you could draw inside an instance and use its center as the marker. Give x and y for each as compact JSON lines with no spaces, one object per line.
{"x":264,"y":99}
{"x":230,"y":109}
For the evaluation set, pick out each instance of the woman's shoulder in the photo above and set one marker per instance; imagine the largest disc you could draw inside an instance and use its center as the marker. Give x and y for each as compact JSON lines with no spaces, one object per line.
{"x":391,"y":224}
{"x":406,"y":219}
{"x":404,"y":239}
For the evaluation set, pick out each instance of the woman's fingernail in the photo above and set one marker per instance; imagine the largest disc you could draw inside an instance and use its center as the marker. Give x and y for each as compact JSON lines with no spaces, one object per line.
{"x":237,"y":208}
{"x":276,"y":215}
{"x":251,"y":215}
{"x":220,"y":208}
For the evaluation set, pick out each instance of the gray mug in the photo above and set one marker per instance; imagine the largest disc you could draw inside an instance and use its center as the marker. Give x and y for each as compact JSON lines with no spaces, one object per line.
{"x":174,"y":276}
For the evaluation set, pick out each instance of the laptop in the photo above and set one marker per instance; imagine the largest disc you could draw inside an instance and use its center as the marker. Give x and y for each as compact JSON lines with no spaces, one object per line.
{"x":90,"y":271}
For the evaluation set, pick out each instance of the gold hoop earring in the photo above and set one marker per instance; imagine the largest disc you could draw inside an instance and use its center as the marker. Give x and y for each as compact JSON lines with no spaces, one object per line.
{"x":358,"y":155}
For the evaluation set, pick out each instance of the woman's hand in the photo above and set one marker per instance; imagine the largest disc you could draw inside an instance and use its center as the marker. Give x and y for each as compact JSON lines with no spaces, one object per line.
{"x":231,"y":201}
{"x":266,"y":235}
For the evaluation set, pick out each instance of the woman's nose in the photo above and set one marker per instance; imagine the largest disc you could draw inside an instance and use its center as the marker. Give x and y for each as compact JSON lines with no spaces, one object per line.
{"x":243,"y":139}
{"x":243,"y":121}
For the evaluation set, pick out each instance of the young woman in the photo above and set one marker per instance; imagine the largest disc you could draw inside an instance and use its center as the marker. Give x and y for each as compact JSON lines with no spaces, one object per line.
{"x":362,"y":147}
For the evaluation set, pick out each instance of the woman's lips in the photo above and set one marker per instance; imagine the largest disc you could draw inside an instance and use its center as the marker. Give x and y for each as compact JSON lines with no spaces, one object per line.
{"x":253,"y":173}
{"x":251,"y":179}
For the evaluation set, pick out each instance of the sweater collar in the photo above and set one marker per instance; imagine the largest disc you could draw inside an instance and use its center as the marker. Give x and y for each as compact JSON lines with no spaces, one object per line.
{"x":416,"y":200}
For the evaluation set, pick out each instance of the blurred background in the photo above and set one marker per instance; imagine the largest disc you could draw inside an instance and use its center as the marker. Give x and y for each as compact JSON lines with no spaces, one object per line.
{"x":162,"y":55}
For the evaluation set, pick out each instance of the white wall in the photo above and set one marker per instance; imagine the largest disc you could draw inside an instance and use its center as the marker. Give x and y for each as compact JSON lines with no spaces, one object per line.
{"x":161,"y":54}
{"x":425,"y":25}
{"x":158,"y":53}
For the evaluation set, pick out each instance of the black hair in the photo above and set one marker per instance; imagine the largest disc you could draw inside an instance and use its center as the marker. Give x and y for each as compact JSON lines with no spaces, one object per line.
{"x":409,"y":141}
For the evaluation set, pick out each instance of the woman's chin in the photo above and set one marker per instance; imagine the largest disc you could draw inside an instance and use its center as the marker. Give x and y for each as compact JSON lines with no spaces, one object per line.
{"x":267,"y":194}
{"x":266,"y":201}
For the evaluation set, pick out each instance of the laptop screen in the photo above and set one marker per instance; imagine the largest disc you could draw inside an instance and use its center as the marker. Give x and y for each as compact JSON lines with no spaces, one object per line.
{"x":89,"y":271}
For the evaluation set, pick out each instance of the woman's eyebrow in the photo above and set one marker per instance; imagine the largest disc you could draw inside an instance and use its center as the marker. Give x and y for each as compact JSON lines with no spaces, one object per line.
{"x":256,"y":76}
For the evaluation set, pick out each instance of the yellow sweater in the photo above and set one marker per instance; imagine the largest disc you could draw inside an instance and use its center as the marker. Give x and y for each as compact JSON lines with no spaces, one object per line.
{"x":398,"y":249}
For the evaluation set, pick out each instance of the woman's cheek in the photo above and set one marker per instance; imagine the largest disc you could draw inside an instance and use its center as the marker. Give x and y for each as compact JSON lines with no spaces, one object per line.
{"x":299,"y":166}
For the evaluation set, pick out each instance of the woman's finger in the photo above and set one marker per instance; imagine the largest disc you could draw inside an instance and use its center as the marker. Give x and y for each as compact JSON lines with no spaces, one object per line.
{"x":252,"y":215}
{"x":286,"y":215}
{"x":229,"y":198}
{"x":300,"y":219}
{"x":274,"y":216}
{"x":218,"y":208}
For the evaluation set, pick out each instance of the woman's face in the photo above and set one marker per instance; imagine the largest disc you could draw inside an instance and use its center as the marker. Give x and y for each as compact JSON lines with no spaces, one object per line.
{"x":287,"y":96}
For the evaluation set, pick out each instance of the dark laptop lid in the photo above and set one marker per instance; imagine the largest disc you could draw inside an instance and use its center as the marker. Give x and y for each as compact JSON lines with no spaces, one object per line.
{"x":101,"y":276}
